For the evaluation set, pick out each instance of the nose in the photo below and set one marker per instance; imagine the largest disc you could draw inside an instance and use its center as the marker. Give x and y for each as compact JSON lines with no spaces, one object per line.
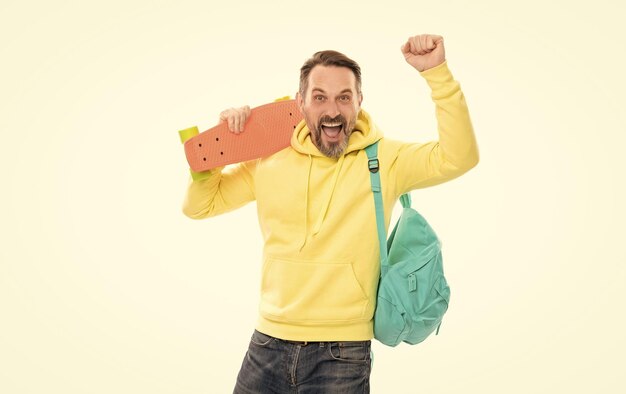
{"x":333,"y":109}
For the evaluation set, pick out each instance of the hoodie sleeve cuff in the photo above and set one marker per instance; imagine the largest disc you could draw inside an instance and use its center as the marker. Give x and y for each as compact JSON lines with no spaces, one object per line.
{"x":438,"y":74}
{"x":440,"y":80}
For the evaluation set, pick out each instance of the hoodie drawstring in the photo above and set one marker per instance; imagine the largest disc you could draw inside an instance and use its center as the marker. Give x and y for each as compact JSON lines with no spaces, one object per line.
{"x":322,"y":215}
{"x":306,"y":203}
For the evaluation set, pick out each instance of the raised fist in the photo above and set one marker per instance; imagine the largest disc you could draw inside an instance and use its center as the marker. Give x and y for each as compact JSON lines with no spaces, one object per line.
{"x":424,"y":51}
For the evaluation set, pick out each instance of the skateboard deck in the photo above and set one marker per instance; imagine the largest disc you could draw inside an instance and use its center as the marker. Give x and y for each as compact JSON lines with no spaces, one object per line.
{"x":268,"y":129}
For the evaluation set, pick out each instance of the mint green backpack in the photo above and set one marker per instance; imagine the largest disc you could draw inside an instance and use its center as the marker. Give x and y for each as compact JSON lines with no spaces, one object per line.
{"x":413,"y":294}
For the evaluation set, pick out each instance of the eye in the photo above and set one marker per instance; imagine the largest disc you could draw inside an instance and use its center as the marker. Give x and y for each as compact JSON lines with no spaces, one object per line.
{"x":319,"y":97}
{"x":344,"y":98}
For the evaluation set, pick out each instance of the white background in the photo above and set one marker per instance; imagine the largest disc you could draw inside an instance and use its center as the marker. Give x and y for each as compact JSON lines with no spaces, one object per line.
{"x":106,"y":287}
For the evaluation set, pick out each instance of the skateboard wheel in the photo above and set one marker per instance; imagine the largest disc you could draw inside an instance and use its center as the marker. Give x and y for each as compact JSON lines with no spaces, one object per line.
{"x":188,"y":133}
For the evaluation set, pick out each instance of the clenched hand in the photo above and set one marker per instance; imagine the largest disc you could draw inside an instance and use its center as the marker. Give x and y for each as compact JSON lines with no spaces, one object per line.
{"x":424,"y":51}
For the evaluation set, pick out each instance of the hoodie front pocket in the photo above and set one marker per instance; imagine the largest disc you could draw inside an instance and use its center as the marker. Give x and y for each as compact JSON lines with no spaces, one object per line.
{"x":313,"y":292}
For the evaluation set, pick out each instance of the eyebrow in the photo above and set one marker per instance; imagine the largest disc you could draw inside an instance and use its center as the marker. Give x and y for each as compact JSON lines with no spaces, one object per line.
{"x":322,"y":90}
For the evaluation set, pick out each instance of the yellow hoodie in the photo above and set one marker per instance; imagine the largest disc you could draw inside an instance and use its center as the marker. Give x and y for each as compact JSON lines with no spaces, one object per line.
{"x":320,"y":259}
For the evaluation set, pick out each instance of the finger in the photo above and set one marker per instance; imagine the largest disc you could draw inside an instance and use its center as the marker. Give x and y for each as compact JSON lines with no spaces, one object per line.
{"x":419,"y":50}
{"x":405,"y":49}
{"x":437,"y":39}
{"x":236,"y":121}
{"x":430,"y":43}
{"x":414,"y":49}
{"x":242,"y":121}
{"x":423,"y":43}
{"x":231,"y":122}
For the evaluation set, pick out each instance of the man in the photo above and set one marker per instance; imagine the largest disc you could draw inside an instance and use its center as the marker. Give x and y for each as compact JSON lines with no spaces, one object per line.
{"x":316,"y":212}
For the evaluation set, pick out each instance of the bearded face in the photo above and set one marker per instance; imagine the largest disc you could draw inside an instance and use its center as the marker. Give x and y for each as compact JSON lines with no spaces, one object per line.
{"x":330,"y":108}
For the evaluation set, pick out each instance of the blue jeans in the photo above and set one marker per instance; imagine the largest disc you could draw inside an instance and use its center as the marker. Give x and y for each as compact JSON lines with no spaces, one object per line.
{"x":273,"y":365}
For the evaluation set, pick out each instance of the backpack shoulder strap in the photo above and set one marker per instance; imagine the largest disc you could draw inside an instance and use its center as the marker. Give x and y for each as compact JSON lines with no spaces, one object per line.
{"x":373,"y":166}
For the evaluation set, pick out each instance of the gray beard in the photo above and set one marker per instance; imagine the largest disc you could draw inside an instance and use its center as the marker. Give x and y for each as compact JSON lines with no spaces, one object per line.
{"x":334,"y":150}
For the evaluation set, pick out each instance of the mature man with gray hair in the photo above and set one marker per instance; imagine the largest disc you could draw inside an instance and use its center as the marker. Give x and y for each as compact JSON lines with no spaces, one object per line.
{"x":316,"y":212}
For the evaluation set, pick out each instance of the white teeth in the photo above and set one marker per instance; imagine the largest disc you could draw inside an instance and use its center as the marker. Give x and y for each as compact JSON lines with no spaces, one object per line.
{"x":331,"y":124}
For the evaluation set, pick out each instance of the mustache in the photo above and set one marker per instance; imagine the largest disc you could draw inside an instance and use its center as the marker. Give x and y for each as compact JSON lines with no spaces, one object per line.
{"x":337,"y":119}
{"x":328,"y":119}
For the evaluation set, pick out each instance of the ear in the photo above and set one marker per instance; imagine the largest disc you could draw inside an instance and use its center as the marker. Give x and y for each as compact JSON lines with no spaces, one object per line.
{"x":300,"y":102}
{"x":360,"y":98}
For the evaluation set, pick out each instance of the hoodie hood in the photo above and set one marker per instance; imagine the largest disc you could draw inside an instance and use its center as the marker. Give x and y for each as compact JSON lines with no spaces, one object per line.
{"x":365,"y":133}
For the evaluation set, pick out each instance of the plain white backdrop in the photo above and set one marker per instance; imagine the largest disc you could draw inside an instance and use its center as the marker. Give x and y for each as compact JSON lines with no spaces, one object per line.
{"x":105,"y":287}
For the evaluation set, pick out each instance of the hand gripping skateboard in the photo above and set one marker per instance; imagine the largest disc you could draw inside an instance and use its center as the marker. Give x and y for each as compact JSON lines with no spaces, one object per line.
{"x":268,"y":129}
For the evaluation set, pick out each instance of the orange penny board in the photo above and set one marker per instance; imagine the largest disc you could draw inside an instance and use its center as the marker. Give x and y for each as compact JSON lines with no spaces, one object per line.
{"x":268,"y":129}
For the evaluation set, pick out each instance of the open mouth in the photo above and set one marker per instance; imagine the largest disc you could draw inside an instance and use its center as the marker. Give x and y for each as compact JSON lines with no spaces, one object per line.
{"x":332,"y":130}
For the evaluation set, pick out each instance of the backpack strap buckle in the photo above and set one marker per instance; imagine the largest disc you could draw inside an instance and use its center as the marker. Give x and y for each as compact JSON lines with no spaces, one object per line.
{"x":372,"y":164}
